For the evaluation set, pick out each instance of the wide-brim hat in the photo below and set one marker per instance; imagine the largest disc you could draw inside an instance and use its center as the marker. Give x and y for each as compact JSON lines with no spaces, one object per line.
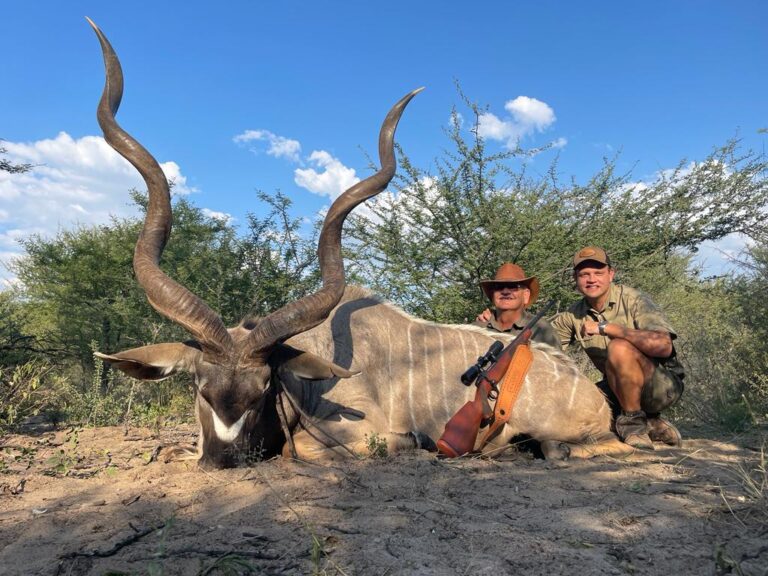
{"x":508,"y":273}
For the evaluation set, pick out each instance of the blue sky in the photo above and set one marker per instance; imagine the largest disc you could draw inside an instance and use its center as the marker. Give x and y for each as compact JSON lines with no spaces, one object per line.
{"x":234,"y":97}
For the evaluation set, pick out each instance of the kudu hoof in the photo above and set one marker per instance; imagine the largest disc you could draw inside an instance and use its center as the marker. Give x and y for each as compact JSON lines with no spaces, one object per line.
{"x":424,"y":442}
{"x":178,"y":454}
{"x":555,"y":450}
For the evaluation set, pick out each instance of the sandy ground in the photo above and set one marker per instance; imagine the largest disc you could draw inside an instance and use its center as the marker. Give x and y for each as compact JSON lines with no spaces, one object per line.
{"x":102,"y":501}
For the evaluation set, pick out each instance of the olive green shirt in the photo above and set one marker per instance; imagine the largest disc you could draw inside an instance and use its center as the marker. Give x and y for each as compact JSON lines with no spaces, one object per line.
{"x":542,"y":331}
{"x":625,"y":306}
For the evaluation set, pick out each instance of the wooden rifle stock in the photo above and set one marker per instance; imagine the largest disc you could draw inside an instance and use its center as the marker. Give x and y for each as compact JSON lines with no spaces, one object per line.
{"x":461,"y":430}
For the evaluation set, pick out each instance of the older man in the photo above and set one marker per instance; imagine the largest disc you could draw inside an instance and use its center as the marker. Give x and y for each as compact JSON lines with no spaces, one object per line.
{"x":630,"y":341}
{"x":511,"y":292}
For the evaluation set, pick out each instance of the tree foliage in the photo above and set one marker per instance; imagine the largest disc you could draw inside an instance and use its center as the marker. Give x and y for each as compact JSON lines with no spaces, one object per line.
{"x":280,"y":260}
{"x":425,"y":245}
{"x":430,"y":242}
{"x":79,"y":286}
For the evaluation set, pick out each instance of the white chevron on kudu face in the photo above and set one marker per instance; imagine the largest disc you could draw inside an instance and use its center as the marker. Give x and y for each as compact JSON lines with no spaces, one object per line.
{"x":228,"y":433}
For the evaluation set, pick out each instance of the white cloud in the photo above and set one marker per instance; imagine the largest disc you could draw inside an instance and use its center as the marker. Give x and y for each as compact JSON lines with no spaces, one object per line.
{"x":531,"y":113}
{"x":527,"y":117}
{"x":560,"y":142}
{"x":73,"y":181}
{"x":223,"y":216}
{"x":389,"y":201}
{"x":279,"y":146}
{"x":722,"y":256}
{"x":334,"y":179}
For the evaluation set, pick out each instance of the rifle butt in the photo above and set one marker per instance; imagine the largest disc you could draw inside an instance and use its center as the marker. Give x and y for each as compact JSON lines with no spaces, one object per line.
{"x":461,"y":431}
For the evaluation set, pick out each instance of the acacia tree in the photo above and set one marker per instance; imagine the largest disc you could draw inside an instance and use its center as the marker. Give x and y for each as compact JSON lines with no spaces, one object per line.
{"x":280,"y":260}
{"x":428,"y":244}
{"x":79,"y":288}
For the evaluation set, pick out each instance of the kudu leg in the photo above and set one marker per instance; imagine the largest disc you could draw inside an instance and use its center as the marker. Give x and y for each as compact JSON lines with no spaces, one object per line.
{"x":609,"y":445}
{"x":338,"y":440}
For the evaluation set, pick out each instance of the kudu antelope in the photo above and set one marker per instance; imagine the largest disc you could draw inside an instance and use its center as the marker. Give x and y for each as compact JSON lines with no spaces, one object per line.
{"x":265,"y":386}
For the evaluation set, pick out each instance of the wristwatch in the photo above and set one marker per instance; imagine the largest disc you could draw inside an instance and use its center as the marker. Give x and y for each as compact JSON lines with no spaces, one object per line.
{"x":601,"y":327}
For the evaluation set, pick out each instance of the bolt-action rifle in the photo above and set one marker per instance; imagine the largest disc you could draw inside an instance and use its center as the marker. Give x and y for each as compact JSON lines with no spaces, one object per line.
{"x":461,"y":430}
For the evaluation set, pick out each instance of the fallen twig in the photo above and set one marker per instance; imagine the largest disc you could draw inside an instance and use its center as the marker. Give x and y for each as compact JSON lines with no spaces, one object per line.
{"x":116,"y":547}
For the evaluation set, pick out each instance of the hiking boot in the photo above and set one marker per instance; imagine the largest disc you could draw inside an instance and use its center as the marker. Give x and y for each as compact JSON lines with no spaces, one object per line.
{"x":632,"y":428}
{"x":662,"y":430}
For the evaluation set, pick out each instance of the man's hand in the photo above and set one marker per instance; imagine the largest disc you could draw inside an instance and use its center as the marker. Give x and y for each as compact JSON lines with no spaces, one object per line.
{"x":484,"y":316}
{"x":652,"y":343}
{"x":589,"y":328}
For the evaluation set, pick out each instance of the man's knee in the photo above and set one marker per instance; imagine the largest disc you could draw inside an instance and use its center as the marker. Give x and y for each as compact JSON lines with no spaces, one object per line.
{"x":620,"y":350}
{"x":624,"y":356}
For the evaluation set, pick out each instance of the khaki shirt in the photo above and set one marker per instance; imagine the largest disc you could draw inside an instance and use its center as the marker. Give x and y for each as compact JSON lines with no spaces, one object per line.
{"x":542,"y":331}
{"x":626,"y":306}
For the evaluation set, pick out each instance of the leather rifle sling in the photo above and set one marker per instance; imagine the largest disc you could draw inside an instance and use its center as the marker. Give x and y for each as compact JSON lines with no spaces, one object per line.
{"x":509,"y":391}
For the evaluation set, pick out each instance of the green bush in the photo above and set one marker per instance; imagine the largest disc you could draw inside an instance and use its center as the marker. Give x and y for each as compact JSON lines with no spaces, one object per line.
{"x":27,"y":390}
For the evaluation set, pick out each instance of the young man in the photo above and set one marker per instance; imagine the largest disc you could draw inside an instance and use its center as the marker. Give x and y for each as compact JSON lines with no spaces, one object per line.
{"x":511,"y":292}
{"x":630,"y":341}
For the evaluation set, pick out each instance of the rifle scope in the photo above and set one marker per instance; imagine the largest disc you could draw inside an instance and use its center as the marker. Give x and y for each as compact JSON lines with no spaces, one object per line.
{"x":475,"y":370}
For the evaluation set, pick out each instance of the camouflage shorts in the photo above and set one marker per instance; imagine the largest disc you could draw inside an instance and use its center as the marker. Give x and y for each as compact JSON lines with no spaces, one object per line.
{"x":663,"y":390}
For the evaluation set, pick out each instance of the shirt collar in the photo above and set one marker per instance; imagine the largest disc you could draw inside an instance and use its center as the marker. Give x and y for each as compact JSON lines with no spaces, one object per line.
{"x":614,"y":293}
{"x":518,"y":325}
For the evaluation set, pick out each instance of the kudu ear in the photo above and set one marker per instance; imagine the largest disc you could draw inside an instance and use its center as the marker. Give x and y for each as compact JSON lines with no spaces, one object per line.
{"x":306,"y":365}
{"x":153,"y":362}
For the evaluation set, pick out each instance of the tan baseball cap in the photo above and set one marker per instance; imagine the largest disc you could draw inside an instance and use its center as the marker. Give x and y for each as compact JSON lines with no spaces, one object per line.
{"x":591,"y":253}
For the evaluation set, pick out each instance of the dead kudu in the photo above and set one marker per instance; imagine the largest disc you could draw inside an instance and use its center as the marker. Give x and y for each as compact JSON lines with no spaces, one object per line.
{"x":265,"y":386}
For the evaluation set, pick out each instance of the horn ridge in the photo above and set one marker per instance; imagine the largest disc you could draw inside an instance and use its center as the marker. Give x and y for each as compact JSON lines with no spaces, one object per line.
{"x":167,"y":296}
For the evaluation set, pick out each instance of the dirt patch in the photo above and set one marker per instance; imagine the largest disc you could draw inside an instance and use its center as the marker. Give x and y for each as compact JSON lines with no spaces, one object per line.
{"x":100,"y":501}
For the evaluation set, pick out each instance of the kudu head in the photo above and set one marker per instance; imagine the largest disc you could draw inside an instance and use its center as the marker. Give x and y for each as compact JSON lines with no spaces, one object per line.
{"x":232,"y":369}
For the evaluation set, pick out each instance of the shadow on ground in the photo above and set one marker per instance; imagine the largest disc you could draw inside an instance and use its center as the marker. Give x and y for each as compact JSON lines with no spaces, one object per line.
{"x":100,"y":501}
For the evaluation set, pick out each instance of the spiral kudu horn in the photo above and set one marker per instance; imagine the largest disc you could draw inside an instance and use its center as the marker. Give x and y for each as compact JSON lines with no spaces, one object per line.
{"x":168,"y":297}
{"x":310,"y":310}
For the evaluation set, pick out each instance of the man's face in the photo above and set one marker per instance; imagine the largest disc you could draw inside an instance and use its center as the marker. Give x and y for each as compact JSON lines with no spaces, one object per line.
{"x":593,"y":280}
{"x":511,"y":296}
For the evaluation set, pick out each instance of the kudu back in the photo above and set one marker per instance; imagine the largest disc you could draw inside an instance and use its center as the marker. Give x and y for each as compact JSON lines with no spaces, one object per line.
{"x":320,"y":376}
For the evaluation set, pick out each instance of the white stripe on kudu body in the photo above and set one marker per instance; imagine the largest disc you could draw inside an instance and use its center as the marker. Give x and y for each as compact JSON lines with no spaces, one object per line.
{"x":443,"y":376}
{"x":427,"y":382}
{"x":390,"y":379}
{"x":410,"y":378}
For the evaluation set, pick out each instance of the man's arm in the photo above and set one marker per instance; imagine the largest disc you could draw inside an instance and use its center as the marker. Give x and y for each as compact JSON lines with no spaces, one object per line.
{"x":545,"y":332}
{"x":563,"y":328}
{"x":652,"y":343}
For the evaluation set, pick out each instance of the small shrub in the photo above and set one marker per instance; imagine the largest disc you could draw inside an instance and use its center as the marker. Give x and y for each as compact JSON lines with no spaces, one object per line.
{"x":27,"y":390}
{"x":377,"y":446}
{"x":62,"y":461}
